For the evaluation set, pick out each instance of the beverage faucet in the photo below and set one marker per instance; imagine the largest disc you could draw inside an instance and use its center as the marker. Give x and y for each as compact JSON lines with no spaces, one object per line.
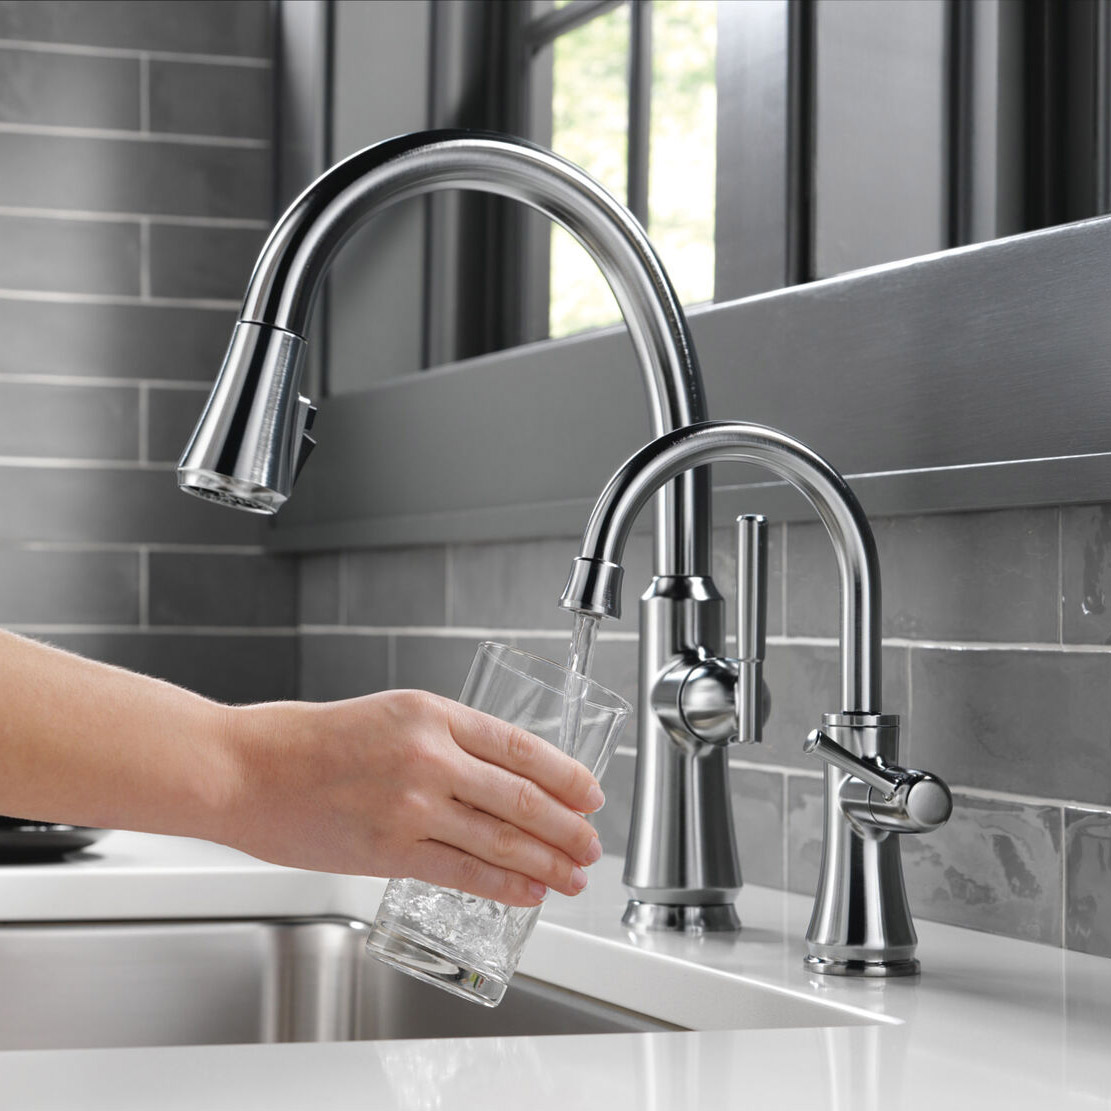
{"x":253,"y":437}
{"x":861,"y":924}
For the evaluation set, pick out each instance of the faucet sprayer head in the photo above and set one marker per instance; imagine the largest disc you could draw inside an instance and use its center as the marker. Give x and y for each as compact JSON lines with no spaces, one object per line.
{"x":594,"y":587}
{"x":252,"y":439}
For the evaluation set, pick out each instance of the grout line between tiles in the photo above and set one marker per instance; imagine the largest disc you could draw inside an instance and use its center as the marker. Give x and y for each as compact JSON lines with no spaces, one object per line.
{"x":248,"y":61}
{"x":144,"y":260}
{"x":19,"y":462}
{"x":1060,"y":576}
{"x":144,"y":424}
{"x":1064,"y":857}
{"x":113,"y":134}
{"x":120,"y":299}
{"x":783,"y":582}
{"x":29,"y":212}
{"x":124,"y":546}
{"x":908,"y":731}
{"x":786,"y":833}
{"x":449,"y":598}
{"x":341,"y":588}
{"x":144,"y":587}
{"x":779,"y":769}
{"x":144,"y":92}
{"x":94,"y":382}
{"x":266,"y":631}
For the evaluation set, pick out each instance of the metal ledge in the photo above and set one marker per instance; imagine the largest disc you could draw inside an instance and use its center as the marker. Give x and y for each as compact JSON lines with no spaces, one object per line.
{"x":971,"y":379}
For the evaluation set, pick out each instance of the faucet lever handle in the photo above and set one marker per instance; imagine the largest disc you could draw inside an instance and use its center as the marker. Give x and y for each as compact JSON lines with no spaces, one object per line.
{"x":752,"y":610}
{"x":910,"y":802}
{"x":872,"y":771}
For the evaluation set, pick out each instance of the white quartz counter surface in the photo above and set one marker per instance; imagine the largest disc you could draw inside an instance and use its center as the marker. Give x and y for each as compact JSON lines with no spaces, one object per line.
{"x":991,"y":1023}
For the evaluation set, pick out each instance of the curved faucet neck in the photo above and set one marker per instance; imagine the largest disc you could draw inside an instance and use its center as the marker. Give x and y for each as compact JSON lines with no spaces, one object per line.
{"x":820,"y":483}
{"x":300,"y":248}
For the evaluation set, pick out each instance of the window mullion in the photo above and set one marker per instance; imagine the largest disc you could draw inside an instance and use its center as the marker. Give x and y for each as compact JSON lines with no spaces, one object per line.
{"x":640,"y":108}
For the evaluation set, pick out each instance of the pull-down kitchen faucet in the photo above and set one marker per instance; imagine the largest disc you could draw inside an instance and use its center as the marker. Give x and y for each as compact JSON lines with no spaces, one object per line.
{"x":253,"y":438}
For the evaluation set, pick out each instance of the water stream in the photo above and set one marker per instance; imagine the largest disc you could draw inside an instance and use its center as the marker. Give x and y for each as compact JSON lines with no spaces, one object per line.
{"x":579,"y":658}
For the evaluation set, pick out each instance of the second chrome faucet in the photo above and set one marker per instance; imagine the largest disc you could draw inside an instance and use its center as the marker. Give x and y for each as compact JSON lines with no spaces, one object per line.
{"x":861,"y":925}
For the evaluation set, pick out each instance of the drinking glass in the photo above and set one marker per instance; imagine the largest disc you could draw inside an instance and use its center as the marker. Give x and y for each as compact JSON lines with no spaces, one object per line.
{"x":459,"y":942}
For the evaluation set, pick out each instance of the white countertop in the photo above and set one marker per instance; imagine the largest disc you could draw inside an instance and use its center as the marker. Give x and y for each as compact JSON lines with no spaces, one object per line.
{"x":990,"y":1023}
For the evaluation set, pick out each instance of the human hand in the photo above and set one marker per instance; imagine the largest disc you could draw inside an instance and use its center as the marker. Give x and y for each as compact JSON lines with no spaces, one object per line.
{"x":406,"y":783}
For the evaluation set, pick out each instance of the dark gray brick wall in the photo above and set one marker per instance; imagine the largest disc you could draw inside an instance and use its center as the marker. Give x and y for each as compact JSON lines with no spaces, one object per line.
{"x":136,"y":192}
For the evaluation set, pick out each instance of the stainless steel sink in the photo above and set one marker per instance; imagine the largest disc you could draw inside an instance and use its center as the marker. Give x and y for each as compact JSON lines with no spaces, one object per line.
{"x":94,"y":985}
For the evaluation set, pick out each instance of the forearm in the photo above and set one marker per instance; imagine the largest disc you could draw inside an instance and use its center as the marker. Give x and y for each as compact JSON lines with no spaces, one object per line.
{"x":399,"y":783}
{"x":89,"y":744}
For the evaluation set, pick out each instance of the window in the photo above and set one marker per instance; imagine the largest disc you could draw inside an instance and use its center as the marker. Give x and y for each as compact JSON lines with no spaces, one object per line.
{"x":632,"y":101}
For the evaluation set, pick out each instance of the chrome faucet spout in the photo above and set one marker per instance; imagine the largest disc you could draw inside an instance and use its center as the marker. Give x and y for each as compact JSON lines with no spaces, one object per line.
{"x":645,"y":472}
{"x":247,"y":447}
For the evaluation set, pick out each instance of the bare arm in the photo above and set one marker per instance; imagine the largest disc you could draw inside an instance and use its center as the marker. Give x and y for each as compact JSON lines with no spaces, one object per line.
{"x":401,"y":783}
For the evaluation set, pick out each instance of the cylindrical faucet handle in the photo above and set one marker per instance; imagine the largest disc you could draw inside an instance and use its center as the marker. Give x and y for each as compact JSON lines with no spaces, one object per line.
{"x":909,"y":801}
{"x":885,"y":780}
{"x":752,"y":620}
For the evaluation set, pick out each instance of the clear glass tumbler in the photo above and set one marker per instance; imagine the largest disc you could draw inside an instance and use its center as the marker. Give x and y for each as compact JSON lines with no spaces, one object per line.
{"x":459,"y":942}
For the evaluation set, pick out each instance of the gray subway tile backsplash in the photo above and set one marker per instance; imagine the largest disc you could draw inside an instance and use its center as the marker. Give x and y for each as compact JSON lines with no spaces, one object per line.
{"x":69,"y":256}
{"x":68,"y":90}
{"x":1027,"y":722}
{"x":805,"y":682}
{"x":161,"y":342}
{"x":318,"y":589}
{"x":68,"y":587}
{"x":240,"y":27}
{"x":994,"y":866}
{"x":200,"y":262}
{"x":230,"y":668}
{"x":215,"y":588}
{"x":1086,"y":574}
{"x":517,"y":584}
{"x":171,"y":416}
{"x":82,"y":347}
{"x":759,"y":823}
{"x":805,"y":809}
{"x":193,"y":98}
{"x":113,"y":505}
{"x":1088,"y":881}
{"x":396,"y":586}
{"x":341,"y":665}
{"x":988,"y":576}
{"x":68,"y":422}
{"x":140,"y":176}
{"x":436,"y":664}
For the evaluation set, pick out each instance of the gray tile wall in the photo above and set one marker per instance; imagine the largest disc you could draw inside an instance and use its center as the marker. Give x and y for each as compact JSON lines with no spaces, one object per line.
{"x":997,"y":631}
{"x":135,"y":140}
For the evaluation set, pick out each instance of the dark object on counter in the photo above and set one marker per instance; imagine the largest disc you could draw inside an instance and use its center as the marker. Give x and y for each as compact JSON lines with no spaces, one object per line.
{"x":25,"y":841}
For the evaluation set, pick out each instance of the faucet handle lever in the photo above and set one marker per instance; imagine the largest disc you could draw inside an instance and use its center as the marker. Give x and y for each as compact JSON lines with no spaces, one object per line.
{"x":752,"y":610}
{"x":872,"y":771}
{"x":910,"y":802}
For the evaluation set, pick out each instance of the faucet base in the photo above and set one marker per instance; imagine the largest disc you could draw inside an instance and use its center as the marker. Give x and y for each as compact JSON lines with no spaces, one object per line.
{"x":681,"y":918}
{"x":870,"y":969}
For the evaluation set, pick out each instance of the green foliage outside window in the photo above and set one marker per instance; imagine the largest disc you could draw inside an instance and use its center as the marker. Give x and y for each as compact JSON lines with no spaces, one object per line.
{"x":589,"y":126}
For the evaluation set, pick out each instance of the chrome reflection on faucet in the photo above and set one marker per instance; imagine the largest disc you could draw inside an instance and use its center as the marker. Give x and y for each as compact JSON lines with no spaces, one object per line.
{"x":861,"y":924}
{"x":253,"y":438}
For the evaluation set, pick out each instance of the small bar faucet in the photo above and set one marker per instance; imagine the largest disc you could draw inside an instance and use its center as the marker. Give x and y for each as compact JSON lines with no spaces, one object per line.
{"x":861,"y":924}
